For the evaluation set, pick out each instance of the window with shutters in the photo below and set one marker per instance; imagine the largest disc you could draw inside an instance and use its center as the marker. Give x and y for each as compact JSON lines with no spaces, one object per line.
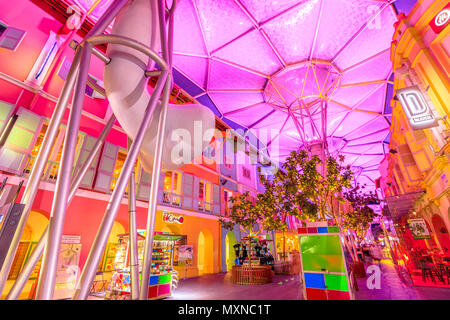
{"x":85,"y":151}
{"x":227,"y":194}
{"x":143,"y":181}
{"x":64,"y":68}
{"x":172,"y":188}
{"x":54,"y":161}
{"x":204,"y":196}
{"x":10,"y":37}
{"x":19,"y":141}
{"x":109,"y":168}
{"x":406,"y":155}
{"x":419,"y":135}
{"x":246,"y":173}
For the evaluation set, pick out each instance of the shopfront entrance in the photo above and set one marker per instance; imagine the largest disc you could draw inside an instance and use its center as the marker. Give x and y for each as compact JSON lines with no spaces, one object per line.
{"x":441,"y":233}
{"x":230,"y":253}
{"x":205,"y":252}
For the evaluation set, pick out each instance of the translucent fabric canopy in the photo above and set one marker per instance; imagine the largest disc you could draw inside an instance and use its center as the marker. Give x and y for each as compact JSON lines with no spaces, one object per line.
{"x":268,"y":65}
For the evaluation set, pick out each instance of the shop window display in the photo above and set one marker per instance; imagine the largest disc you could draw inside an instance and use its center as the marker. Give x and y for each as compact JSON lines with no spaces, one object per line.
{"x":162,"y":273}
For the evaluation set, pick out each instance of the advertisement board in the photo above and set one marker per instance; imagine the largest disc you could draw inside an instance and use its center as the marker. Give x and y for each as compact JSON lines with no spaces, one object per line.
{"x":419,"y":229}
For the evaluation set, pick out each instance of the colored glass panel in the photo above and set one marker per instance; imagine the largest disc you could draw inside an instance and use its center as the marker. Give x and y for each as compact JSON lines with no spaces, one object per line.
{"x":320,"y":253}
{"x":152,"y":292}
{"x":333,"y":229}
{"x":153,"y":280}
{"x":316,"y":294}
{"x":314,"y":280}
{"x":166,"y":278}
{"x":302,"y":230}
{"x":164,"y":289}
{"x":338,"y":295}
{"x":312,"y":230}
{"x":322,"y":230}
{"x":336,"y":282}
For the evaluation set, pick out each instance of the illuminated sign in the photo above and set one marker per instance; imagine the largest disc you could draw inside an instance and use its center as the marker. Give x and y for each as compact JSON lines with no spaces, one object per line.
{"x":440,"y":21}
{"x":416,"y":108}
{"x":419,"y":229}
{"x":172,"y":218}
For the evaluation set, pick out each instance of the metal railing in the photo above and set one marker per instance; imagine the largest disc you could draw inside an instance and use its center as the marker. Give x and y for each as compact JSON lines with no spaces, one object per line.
{"x":171,"y":199}
{"x":205,"y":206}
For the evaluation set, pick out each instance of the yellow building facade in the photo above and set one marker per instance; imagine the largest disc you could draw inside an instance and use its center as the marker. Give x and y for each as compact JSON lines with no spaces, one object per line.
{"x":419,"y":159}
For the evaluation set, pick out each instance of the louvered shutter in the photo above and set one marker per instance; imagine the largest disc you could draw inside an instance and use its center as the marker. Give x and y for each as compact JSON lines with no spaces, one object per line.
{"x":187,"y":191}
{"x":20,"y":142}
{"x":106,"y":168}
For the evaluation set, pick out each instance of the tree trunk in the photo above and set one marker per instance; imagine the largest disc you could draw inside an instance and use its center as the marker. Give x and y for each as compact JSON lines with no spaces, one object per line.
{"x":250,"y":257}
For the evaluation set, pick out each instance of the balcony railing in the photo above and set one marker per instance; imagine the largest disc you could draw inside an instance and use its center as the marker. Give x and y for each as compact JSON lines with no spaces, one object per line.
{"x":171,"y":199}
{"x":204,"y":206}
{"x":50,"y":171}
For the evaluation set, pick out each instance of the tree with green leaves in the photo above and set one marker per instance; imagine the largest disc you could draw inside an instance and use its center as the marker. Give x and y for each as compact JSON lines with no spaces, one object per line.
{"x":360,"y":215}
{"x":246,"y":213}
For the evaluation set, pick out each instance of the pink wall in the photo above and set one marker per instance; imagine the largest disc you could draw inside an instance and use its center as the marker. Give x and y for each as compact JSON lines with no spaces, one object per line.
{"x":37,"y":23}
{"x":83,"y":218}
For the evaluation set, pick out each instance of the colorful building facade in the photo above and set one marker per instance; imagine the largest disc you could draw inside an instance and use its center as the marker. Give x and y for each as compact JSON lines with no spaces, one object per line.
{"x":35,"y":57}
{"x":415,"y":173}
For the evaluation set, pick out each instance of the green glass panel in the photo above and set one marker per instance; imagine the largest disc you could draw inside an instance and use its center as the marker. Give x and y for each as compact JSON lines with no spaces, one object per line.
{"x":322,"y":253}
{"x":20,"y":138}
{"x":166,"y":278}
{"x":336,"y":282}
{"x":333,"y":229}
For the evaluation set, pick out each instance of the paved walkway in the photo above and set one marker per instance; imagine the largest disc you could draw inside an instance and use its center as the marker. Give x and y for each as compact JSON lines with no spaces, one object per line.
{"x":395,"y":287}
{"x":219,"y":287}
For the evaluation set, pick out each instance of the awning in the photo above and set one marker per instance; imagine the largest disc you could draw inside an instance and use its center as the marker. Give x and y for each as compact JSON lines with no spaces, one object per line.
{"x":401,"y":205}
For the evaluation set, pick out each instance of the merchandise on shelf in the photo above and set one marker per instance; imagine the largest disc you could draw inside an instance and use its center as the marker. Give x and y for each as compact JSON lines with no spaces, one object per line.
{"x":160,"y":281}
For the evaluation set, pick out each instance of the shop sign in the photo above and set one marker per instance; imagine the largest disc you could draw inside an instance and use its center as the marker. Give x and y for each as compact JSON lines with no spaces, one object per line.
{"x":440,"y":21}
{"x":172,"y":218}
{"x":416,"y":108}
{"x":70,"y":238}
{"x":419,"y":229}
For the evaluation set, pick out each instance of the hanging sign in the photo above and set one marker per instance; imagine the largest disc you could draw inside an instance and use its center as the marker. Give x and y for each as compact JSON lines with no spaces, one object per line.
{"x":440,"y":21}
{"x":172,"y":218}
{"x":419,"y":229}
{"x":416,"y":108}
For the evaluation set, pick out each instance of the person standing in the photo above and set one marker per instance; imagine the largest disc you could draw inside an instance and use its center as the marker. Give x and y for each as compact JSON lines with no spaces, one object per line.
{"x":376,"y":253}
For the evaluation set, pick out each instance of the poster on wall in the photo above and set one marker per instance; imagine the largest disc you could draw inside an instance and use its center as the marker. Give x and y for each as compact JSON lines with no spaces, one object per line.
{"x":67,"y":271}
{"x":185,"y":253}
{"x":419,"y":229}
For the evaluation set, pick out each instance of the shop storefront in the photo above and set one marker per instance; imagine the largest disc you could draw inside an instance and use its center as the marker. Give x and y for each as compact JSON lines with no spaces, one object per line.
{"x":287,"y":244}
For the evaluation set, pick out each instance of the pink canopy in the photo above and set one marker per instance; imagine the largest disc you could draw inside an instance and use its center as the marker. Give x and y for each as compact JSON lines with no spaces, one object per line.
{"x":268,"y":65}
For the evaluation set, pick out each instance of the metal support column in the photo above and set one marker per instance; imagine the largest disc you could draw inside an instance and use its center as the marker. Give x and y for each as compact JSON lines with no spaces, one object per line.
{"x":89,"y":270}
{"x":46,"y":283}
{"x":133,"y":246}
{"x":49,"y":138}
{"x":148,"y":248}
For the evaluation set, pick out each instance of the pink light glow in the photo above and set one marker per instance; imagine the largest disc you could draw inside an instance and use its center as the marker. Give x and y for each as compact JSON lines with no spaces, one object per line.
{"x":249,"y":42}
